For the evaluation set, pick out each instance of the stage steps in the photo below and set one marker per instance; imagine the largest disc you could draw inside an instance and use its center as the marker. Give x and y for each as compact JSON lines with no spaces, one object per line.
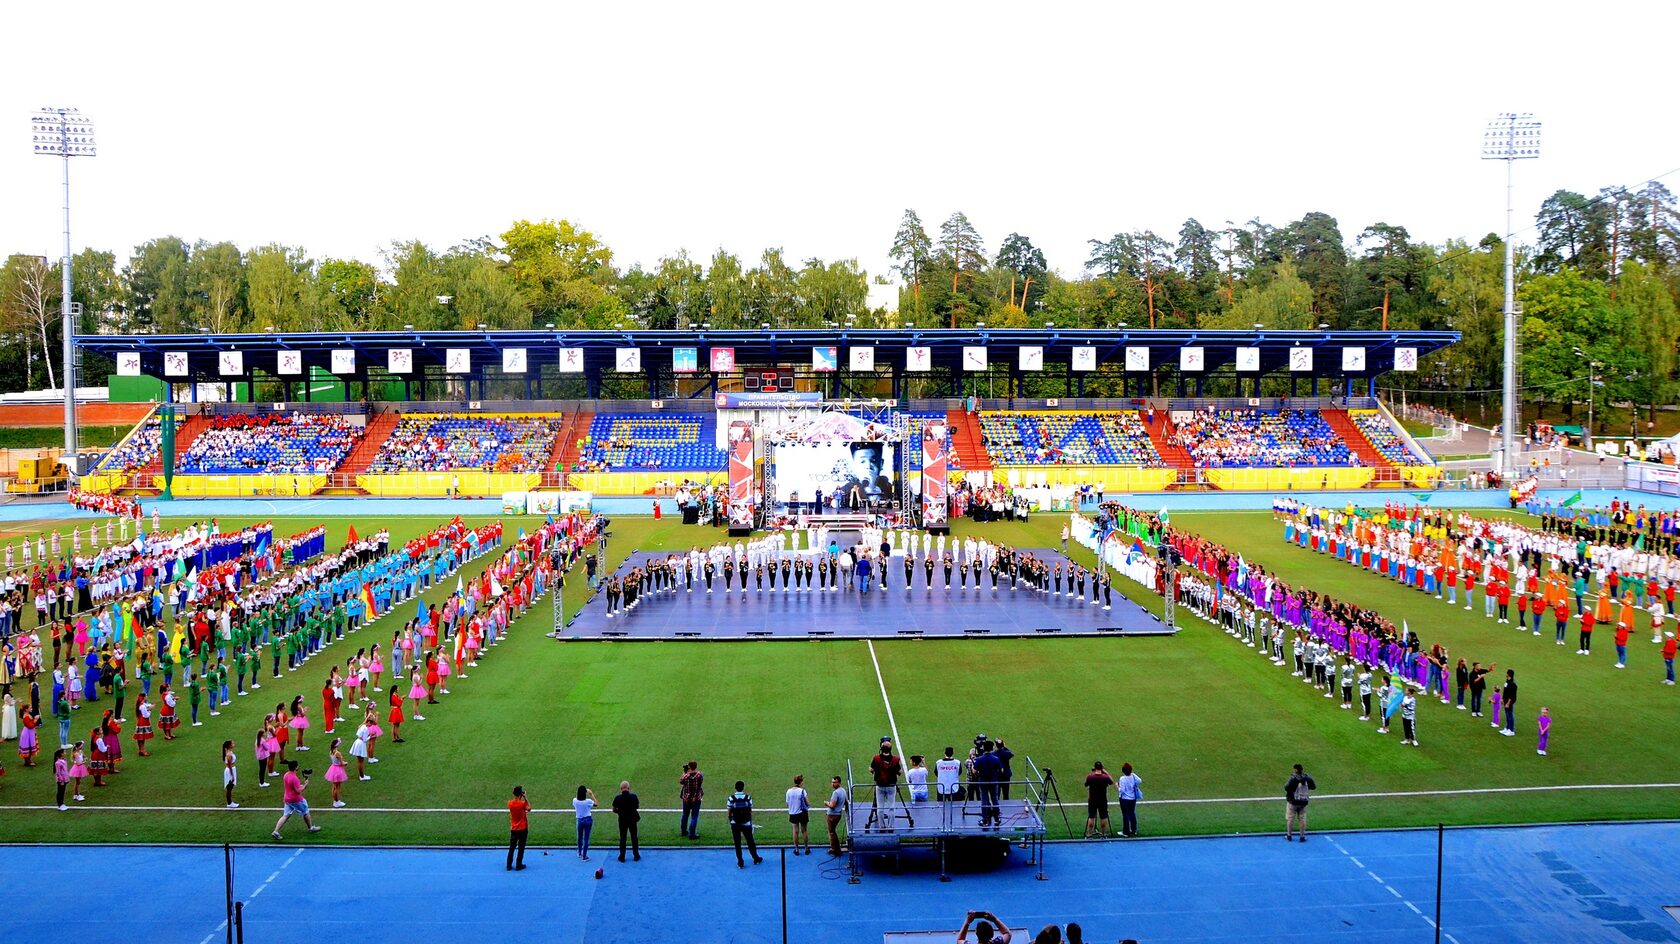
{"x":968,"y":441}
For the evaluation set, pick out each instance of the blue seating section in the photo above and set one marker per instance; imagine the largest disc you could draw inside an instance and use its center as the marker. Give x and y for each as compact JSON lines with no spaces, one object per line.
{"x":685,"y":442}
{"x":427,"y":442}
{"x":1250,"y":439}
{"x":1117,"y":438}
{"x":271,"y":443}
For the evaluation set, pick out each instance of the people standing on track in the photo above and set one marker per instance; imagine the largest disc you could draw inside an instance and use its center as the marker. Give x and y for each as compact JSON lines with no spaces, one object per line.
{"x":1130,"y":788}
{"x":741,"y":824}
{"x":799,"y":815}
{"x":628,"y":808}
{"x":519,"y":829}
{"x":690,"y":791}
{"x":1097,"y":784}
{"x":583,"y":806}
{"x":838,"y":800}
{"x":1297,"y":793}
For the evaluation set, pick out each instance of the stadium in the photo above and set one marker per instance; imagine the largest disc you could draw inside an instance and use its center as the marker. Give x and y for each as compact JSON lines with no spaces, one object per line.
{"x":956,"y":598}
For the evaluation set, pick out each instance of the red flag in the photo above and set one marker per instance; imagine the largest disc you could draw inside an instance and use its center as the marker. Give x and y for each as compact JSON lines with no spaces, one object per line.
{"x":351,"y":539}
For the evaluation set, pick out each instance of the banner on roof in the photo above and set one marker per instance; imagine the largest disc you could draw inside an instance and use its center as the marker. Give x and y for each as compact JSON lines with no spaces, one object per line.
{"x":974,"y":358}
{"x":343,"y":361}
{"x":1137,"y":358}
{"x":513,"y":360}
{"x":1353,"y":359}
{"x":825,"y":360}
{"x":863,"y":358}
{"x":685,"y":360}
{"x":1300,"y":359}
{"x":936,"y":442}
{"x":290,"y":363}
{"x":629,"y":360}
{"x":723,"y":360}
{"x":399,"y":360}
{"x":1084,"y":358}
{"x":571,"y":360}
{"x":1405,"y":358}
{"x":128,"y":363}
{"x":175,"y":364}
{"x":918,"y":358}
{"x":1191,"y":358}
{"x":767,"y":399}
{"x":1248,"y":360}
{"x":1031,"y":358}
{"x":740,"y":474}
{"x":230,"y":363}
{"x":458,"y":360}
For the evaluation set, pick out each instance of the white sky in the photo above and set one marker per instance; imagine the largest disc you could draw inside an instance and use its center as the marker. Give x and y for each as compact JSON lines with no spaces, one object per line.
{"x":342,"y":126}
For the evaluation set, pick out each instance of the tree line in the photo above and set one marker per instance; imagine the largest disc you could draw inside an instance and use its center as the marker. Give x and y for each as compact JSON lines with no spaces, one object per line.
{"x":1598,"y":285}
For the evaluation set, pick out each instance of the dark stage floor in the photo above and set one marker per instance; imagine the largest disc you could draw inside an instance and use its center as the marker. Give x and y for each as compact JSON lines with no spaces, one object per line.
{"x":849,"y":614}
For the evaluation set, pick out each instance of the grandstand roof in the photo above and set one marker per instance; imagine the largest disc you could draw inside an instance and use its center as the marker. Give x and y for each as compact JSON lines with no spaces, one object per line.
{"x":198,"y":355}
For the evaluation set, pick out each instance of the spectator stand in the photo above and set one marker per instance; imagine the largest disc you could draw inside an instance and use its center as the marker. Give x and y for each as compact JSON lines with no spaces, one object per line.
{"x":945,"y":827}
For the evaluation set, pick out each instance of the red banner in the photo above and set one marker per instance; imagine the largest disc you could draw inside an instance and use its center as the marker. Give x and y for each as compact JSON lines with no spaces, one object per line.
{"x":936,"y":442}
{"x":740,"y":474}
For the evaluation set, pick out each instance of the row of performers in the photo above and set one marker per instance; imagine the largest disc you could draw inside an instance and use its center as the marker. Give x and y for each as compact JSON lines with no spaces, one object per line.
{"x":1009,"y":568}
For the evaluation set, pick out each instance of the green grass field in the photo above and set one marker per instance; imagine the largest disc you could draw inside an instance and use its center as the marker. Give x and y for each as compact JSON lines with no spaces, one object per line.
{"x":1199,"y":715}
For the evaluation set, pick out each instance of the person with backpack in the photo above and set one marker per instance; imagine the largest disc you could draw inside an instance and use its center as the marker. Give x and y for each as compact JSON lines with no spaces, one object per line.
{"x":739,"y":805}
{"x":1296,"y":793}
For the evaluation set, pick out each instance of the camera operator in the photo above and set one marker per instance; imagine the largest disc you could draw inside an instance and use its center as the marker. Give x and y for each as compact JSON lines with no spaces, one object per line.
{"x":292,"y":797}
{"x":988,"y":770}
{"x":886,"y":768}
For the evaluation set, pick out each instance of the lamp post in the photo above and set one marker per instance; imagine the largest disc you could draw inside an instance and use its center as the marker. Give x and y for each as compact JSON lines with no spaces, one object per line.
{"x":63,"y":133}
{"x":1510,"y":138}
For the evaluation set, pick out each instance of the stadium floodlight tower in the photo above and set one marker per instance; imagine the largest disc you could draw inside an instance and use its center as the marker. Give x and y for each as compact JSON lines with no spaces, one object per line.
{"x":1510,"y":138}
{"x":63,"y":133}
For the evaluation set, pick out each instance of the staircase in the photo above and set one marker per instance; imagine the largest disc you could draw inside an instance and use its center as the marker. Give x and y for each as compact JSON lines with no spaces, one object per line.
{"x":968,"y":442}
{"x":1161,"y":432}
{"x":380,"y":427}
{"x":1357,"y":444}
{"x":566,"y":452}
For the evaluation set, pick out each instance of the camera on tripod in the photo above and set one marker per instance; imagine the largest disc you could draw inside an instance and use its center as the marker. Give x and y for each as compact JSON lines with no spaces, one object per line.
{"x":980,"y":742}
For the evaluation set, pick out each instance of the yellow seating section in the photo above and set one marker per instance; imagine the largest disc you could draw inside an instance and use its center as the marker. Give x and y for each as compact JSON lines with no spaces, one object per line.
{"x":1113,"y":478}
{"x":473,"y":482}
{"x":636,"y":483}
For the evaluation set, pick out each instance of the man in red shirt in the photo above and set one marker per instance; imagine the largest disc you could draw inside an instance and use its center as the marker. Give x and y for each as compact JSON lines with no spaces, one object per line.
{"x":886,"y":768}
{"x":1587,"y":620}
{"x":1670,"y":646}
{"x":519,"y":829}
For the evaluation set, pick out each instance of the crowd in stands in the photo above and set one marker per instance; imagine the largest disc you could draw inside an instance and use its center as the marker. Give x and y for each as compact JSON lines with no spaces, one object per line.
{"x":271,"y":443}
{"x":684,"y":441}
{"x":435,"y":442}
{"x":1382,"y":436}
{"x":137,"y":451}
{"x":1240,"y":439}
{"x":1117,"y":438}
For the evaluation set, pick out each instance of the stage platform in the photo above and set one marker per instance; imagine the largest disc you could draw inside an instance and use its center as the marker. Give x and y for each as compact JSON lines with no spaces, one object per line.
{"x":851,"y":614}
{"x":932,"y":819}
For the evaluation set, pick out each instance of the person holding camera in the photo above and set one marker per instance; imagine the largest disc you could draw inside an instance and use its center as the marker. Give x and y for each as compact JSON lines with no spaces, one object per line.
{"x":690,"y":790}
{"x":885,"y":767}
{"x":519,"y":829}
{"x":988,"y":772}
{"x":988,"y":929}
{"x":292,"y":787}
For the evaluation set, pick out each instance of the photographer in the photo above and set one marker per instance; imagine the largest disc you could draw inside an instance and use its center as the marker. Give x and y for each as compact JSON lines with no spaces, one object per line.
{"x":292,"y":797}
{"x":988,"y":929}
{"x":885,"y":767}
